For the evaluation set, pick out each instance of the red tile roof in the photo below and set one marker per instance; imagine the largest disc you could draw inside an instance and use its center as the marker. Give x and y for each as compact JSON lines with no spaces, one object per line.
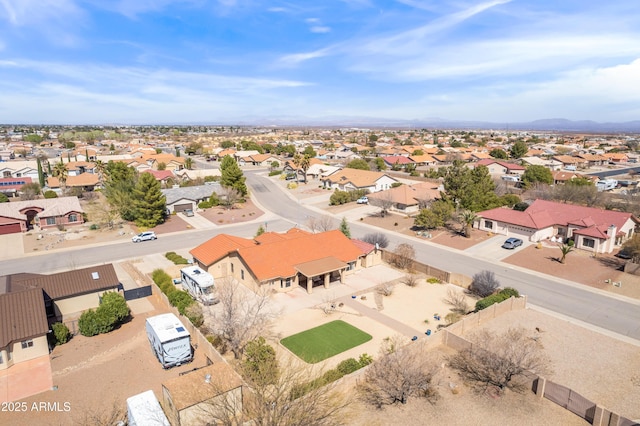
{"x":218,"y":247}
{"x":508,"y":166}
{"x":543,"y":214}
{"x":366,"y":248}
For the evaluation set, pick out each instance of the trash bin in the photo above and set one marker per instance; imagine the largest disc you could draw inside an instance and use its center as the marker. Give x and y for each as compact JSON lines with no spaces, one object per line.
{"x":428,"y":332}
{"x":414,"y":338}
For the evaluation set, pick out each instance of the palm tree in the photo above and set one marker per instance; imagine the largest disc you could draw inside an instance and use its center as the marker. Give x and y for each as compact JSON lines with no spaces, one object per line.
{"x":297,"y":162}
{"x":565,"y":249}
{"x":467,"y":217}
{"x":60,"y":171}
{"x":188,"y":163}
{"x":305,"y":163}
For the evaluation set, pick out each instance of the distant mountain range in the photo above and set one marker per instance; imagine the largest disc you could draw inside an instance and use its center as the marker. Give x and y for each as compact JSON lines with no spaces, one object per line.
{"x":552,"y":124}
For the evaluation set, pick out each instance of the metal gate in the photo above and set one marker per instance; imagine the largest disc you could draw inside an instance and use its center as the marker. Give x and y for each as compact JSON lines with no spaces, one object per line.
{"x":137,"y":293}
{"x":570,"y":400}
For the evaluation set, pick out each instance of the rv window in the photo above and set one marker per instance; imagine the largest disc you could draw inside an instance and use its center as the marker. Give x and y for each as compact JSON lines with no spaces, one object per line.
{"x":180,"y":329}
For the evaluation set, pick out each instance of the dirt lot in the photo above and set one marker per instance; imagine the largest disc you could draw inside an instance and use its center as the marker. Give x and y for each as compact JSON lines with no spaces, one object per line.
{"x":243,"y":212}
{"x":94,"y":373}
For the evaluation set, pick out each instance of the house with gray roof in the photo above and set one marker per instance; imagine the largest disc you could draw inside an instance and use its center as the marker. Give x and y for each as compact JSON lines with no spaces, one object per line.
{"x":188,"y":197}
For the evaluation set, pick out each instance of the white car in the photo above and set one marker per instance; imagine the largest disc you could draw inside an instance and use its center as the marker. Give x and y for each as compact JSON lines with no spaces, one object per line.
{"x":144,"y":236}
{"x":363,"y":200}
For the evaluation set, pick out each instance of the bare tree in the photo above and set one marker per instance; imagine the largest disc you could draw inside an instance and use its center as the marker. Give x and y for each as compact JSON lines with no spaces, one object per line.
{"x":501,"y":360}
{"x":384,"y":201}
{"x":102,"y":415}
{"x":280,"y":403}
{"x":230,"y":196}
{"x":404,"y":254}
{"x":457,"y":300}
{"x":376,"y":238}
{"x":385,"y":289}
{"x":242,"y":316}
{"x":410,"y":280}
{"x":320,"y":224}
{"x":398,"y":374}
{"x":484,"y":283}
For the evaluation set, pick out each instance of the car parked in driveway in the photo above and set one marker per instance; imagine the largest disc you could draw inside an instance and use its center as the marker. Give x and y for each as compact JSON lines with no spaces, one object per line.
{"x":512,"y":243}
{"x":144,"y":236}
{"x":363,"y":200}
{"x":188,"y":212}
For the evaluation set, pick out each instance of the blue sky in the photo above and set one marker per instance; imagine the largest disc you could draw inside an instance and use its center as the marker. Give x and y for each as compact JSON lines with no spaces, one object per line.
{"x":181,"y":61}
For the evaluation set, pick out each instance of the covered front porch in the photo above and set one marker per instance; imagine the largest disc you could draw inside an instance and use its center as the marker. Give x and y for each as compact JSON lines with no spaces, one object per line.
{"x":321,"y":272}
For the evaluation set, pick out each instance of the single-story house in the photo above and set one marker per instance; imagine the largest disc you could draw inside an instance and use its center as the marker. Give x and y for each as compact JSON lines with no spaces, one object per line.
{"x":321,"y":170}
{"x":190,"y":175}
{"x":568,"y":160}
{"x":261,"y":160}
{"x":397,"y":161}
{"x":17,"y":169}
{"x":353,"y":179}
{"x":593,"y":159}
{"x":165,"y":177}
{"x":281,"y":262}
{"x":85,"y":181}
{"x":188,"y":197}
{"x":21,"y":216}
{"x":192,"y":398}
{"x":499,"y":168}
{"x":552,"y":165}
{"x":407,"y":198}
{"x":592,"y":229}
{"x":66,"y":294}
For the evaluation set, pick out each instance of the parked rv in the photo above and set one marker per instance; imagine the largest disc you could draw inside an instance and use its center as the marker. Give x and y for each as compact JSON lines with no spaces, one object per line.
{"x":144,"y":409}
{"x":606,"y":184}
{"x":199,"y":284}
{"x":511,"y":178}
{"x":169,"y":339}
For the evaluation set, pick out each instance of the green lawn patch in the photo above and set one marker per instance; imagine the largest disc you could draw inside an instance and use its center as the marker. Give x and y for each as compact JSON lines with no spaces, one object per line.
{"x":325,"y":341}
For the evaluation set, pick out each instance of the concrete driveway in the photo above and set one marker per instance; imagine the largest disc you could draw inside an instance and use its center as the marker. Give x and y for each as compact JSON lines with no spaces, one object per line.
{"x":491,"y":249}
{"x":11,"y":245}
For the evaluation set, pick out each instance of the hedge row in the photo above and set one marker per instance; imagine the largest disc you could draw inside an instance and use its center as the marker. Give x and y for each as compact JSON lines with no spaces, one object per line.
{"x":343,"y":197}
{"x":496,"y":298}
{"x":347,"y":366}
{"x":178,"y":298}
{"x":176,"y":258}
{"x":213,"y":201}
{"x":113,"y":310}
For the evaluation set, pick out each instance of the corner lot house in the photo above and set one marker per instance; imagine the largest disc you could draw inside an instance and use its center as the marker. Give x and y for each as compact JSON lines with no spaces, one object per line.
{"x":353,"y":179}
{"x":21,"y":216}
{"x":596,"y":230}
{"x":188,"y":197}
{"x":281,"y":262}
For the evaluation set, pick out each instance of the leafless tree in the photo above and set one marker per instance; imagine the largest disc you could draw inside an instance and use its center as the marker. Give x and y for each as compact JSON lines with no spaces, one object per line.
{"x":320,"y":224}
{"x":404,"y":255}
{"x":385,"y":289}
{"x":265,"y":403}
{"x":229,"y":197}
{"x":484,"y":283}
{"x":502,"y":360}
{"x":398,"y":374}
{"x":384,"y":201}
{"x":410,"y":280}
{"x":242,"y":315}
{"x":376,"y":238}
{"x":457,"y":300}
{"x":101,"y":415}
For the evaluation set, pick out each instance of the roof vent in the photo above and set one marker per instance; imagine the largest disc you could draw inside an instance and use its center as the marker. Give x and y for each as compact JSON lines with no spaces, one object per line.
{"x":95,"y":275}
{"x":207,"y":378}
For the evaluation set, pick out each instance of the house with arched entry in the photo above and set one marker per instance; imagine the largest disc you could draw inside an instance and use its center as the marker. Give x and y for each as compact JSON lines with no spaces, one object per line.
{"x":22,"y":216}
{"x":282,"y":262}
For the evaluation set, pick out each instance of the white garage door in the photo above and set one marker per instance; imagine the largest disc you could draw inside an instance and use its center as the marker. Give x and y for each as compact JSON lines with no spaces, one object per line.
{"x":519,"y":232}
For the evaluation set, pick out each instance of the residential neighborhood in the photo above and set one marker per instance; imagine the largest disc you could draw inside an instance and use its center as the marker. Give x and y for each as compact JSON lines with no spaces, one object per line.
{"x":376,"y":238}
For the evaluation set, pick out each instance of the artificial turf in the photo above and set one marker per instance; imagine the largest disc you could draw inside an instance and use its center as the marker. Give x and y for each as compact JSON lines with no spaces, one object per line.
{"x":320,"y":343}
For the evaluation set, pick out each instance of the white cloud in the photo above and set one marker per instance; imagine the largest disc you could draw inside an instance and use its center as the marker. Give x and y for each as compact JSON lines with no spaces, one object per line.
{"x":296,"y":58}
{"x":320,"y":29}
{"x":30,"y":12}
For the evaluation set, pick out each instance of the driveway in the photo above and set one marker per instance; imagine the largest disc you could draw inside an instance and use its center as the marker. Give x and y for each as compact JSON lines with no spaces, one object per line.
{"x":11,"y":246}
{"x":491,"y":249}
{"x":197,"y":221}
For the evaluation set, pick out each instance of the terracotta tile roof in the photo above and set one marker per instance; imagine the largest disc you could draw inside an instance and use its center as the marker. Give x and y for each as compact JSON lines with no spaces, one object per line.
{"x":422,"y":158}
{"x":567,"y":159}
{"x":397,"y":159}
{"x":359,"y":178}
{"x":366,"y":248}
{"x":191,"y":389}
{"x":73,"y":283}
{"x":508,"y":166}
{"x":84,"y":179}
{"x":161,"y":174}
{"x":49,"y":207}
{"x":317,"y":267}
{"x":409,"y":194}
{"x":278,"y":259}
{"x":218,"y":247}
{"x":543,"y":214}
{"x":22,"y":316}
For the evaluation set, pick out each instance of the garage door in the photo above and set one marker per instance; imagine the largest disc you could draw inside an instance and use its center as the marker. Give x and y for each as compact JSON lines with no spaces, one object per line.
{"x":519,"y":232}
{"x":10,"y":228}
{"x":182,"y":207}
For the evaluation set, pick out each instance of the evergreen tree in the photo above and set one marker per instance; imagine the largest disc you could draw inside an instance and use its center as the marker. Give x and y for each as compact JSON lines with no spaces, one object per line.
{"x":40,"y":173}
{"x":344,"y":228}
{"x":518,"y":149}
{"x":232,"y":176}
{"x":535,"y":174}
{"x":149,"y":203}
{"x":119,"y":188}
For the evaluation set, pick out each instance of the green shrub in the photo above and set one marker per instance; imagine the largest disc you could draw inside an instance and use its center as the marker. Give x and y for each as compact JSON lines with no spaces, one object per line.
{"x":204,"y":205}
{"x":181,"y":300}
{"x":88,"y":323}
{"x":61,"y":333}
{"x":328,"y":377}
{"x":343,"y":197}
{"x":94,"y":227}
{"x":176,"y":258}
{"x":50,"y":194}
{"x":508,"y":291}
{"x":365,"y":359}
{"x":490,"y":300}
{"x":433,"y":280}
{"x":115,"y":307}
{"x":275,"y":172}
{"x":348,"y":366}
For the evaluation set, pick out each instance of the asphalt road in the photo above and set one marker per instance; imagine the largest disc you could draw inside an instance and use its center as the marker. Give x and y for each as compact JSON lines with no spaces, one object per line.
{"x":617,"y":172}
{"x":610,"y":312}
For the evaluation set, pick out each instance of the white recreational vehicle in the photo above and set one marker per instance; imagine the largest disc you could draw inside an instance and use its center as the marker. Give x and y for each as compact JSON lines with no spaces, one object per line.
{"x":144,"y":410}
{"x":170,"y":340}
{"x":606,"y":184}
{"x":199,"y":284}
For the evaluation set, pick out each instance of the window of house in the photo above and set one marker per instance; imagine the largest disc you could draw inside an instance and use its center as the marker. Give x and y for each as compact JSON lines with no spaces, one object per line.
{"x":288,"y":282}
{"x":1,"y":360}
{"x":27,"y":344}
{"x":6,"y":174}
{"x":232,"y":268}
{"x":242,"y":274}
{"x":488,"y":224}
{"x":351,"y":266}
{"x":73,"y":218}
{"x":51,"y":221}
{"x":589,"y":242}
